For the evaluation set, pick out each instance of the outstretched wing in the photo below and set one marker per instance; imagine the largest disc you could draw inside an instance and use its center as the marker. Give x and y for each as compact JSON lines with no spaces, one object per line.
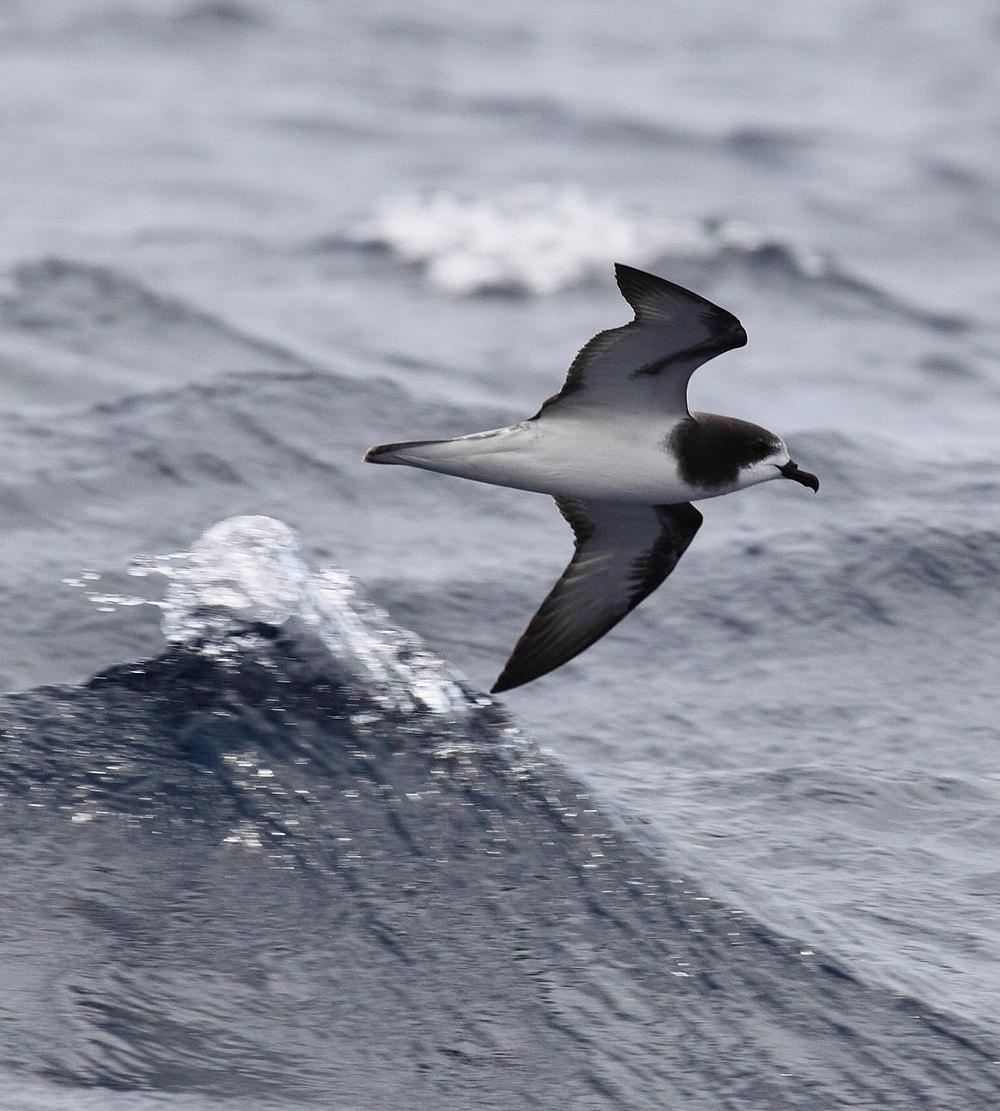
{"x":646,"y":365}
{"x":623,"y":552}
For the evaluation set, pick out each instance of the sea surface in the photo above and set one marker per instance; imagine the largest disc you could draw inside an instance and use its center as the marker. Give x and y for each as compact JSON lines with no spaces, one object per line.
{"x":244,"y":241}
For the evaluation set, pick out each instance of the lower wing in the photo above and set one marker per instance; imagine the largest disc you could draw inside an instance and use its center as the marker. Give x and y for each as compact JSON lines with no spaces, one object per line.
{"x":623,"y":553}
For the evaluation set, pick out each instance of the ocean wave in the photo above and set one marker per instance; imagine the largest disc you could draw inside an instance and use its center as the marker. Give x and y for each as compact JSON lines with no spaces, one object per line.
{"x":848,"y":581}
{"x":248,"y":571}
{"x":218,"y":14}
{"x":548,"y":116}
{"x":90,"y":308}
{"x":276,"y":848}
{"x":890,"y":799}
{"x":182,"y":20}
{"x":539,"y":240}
{"x":555,"y":118}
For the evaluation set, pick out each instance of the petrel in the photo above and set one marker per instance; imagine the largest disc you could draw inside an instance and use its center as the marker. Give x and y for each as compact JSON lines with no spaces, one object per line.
{"x":623,"y":457}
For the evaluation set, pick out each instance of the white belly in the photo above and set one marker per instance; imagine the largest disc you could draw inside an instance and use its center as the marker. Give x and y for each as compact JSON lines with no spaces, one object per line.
{"x":627,"y":461}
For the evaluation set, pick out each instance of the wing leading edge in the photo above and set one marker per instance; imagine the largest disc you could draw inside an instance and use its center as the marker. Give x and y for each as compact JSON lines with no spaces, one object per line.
{"x":647,"y":363}
{"x":623,"y":552}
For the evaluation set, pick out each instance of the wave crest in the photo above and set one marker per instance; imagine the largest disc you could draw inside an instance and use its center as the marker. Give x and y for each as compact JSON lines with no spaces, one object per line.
{"x":538,"y":240}
{"x":247,"y":572}
{"x":93,"y":309}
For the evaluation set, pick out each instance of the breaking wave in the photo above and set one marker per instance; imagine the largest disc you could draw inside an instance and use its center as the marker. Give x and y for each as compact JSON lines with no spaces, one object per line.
{"x":249,"y":570}
{"x":539,"y":240}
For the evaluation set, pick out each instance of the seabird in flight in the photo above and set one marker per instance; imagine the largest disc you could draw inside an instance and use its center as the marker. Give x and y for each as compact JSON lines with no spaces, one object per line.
{"x":624,"y":458}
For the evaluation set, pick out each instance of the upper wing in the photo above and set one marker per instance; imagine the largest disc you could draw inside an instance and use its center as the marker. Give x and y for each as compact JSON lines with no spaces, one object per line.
{"x":623,"y":552}
{"x":646,"y":364}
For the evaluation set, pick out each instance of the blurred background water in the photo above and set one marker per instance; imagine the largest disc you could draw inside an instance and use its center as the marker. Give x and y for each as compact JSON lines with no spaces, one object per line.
{"x":244,"y":241}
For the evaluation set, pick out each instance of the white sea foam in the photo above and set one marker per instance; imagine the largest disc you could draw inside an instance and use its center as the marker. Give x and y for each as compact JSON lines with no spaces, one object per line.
{"x":539,"y":239}
{"x":249,"y":571}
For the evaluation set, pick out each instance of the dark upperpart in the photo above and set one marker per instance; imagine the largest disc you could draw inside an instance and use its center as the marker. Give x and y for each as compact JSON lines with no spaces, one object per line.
{"x":712,"y":450}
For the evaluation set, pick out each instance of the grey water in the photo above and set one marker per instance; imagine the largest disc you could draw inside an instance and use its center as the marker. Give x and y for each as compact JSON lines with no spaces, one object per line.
{"x":242,"y":242}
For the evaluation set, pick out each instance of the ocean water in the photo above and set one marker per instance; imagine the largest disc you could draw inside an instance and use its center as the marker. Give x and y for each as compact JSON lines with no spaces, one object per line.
{"x":245,"y":241}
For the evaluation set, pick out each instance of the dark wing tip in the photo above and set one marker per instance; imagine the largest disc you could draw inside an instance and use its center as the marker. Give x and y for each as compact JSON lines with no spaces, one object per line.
{"x":522,"y":667}
{"x":632,"y":277}
{"x":656,"y":298}
{"x":381,"y":453}
{"x":635,"y":285}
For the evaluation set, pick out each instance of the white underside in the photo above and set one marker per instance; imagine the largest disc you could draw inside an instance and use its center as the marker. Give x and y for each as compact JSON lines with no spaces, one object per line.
{"x":624,"y":460}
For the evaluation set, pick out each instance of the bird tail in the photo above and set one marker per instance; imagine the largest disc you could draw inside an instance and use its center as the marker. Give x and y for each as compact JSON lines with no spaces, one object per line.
{"x":402,"y":453}
{"x":472,"y":456}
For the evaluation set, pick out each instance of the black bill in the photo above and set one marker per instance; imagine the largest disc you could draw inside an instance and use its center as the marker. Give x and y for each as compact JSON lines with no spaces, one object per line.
{"x":791,"y":470}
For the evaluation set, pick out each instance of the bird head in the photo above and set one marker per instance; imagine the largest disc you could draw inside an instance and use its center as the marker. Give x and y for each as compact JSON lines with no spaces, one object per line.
{"x":767,"y":457}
